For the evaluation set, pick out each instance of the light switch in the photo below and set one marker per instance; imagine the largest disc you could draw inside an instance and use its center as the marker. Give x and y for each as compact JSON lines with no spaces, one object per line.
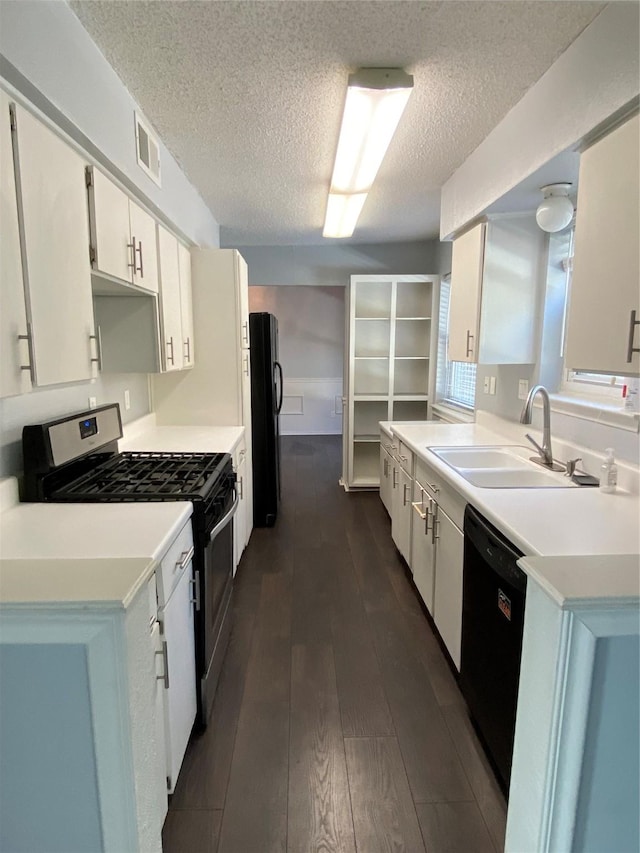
{"x":523,"y":389}
{"x":93,"y":402}
{"x":127,"y":399}
{"x":492,"y":385}
{"x":486,"y":385}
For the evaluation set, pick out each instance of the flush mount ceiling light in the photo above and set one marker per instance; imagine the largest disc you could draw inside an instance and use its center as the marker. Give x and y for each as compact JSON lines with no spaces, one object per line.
{"x":555,"y":212}
{"x":376,"y":98}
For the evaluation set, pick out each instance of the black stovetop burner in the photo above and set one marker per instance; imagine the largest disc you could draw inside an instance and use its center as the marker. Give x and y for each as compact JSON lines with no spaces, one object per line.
{"x":150,"y":476}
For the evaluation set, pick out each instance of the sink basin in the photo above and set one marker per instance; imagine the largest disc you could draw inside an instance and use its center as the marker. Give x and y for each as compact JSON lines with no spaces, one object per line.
{"x":482,"y":457}
{"x":505,"y":467}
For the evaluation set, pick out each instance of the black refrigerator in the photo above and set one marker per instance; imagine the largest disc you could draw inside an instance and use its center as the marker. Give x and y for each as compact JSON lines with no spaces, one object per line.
{"x":266,"y":402}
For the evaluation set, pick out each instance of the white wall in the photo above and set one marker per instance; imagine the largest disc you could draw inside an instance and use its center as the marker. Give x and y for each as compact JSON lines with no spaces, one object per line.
{"x":334,"y":263}
{"x":311,"y":348}
{"x":595,"y":77}
{"x":48,"y":58}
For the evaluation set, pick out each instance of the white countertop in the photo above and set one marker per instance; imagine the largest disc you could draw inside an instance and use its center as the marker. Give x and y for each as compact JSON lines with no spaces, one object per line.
{"x":144,"y":434}
{"x":71,"y":553}
{"x":568,"y":522}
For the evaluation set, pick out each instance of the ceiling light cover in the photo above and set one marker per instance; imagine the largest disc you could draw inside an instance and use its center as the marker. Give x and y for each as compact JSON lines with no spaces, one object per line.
{"x":343,"y":211}
{"x":555,"y":212}
{"x":376,"y":98}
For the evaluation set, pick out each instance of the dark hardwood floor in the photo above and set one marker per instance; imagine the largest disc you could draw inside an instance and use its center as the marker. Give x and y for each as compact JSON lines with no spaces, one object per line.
{"x":338,"y":726}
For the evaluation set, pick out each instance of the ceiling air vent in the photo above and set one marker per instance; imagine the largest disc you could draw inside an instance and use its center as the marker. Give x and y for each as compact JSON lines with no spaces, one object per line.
{"x":147,"y":150}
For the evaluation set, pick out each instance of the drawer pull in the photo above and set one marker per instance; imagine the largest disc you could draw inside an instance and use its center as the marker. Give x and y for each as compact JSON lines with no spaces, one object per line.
{"x":184,"y":560}
{"x":165,"y":665}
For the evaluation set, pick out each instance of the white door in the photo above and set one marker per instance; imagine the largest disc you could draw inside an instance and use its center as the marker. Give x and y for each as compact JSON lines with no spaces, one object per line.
{"x":110,"y":231}
{"x":180,"y":696}
{"x":404,"y":530}
{"x":158,"y":719}
{"x":466,"y":287}
{"x":55,"y":224}
{"x":170,"y":300}
{"x":143,"y":237}
{"x":186,"y":305}
{"x":385,"y":478}
{"x":447,"y":605}
{"x":604,"y":289}
{"x":240,"y":518}
{"x":422,"y":546}
{"x":14,"y":351}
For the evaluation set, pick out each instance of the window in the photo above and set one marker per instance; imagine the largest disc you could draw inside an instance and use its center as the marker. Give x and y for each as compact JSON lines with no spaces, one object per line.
{"x":456,"y":380}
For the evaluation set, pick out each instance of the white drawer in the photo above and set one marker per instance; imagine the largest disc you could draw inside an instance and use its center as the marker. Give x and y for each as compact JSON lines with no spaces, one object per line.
{"x":447,"y":497}
{"x":174,"y":563}
{"x":405,"y":457}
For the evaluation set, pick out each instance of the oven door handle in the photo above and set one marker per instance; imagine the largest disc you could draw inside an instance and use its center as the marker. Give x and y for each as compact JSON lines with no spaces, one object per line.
{"x":222,"y":523}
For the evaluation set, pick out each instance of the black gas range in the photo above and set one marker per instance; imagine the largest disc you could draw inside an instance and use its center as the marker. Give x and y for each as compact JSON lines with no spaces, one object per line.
{"x":75,"y":459}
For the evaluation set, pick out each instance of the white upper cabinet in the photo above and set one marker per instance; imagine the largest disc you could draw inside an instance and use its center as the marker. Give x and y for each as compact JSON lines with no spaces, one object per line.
{"x":242,"y":277}
{"x":603,"y":331}
{"x":170,"y":300}
{"x":123,"y":235}
{"x":52,"y":209}
{"x":496,"y":274}
{"x":14,"y":351}
{"x":186,"y":305}
{"x":467,"y":262}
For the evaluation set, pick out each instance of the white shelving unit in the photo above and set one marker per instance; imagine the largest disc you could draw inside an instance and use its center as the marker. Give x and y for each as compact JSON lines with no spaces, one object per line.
{"x":389,"y":365}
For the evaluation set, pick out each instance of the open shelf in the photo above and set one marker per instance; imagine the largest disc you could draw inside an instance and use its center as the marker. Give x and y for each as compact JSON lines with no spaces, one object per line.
{"x":371,"y":376}
{"x":410,"y":376}
{"x":366,"y":464}
{"x":409,"y":410}
{"x":367,"y":438}
{"x":413,"y":299}
{"x":372,"y":339}
{"x":374,"y":300}
{"x":413,"y":338}
{"x":367,"y":414}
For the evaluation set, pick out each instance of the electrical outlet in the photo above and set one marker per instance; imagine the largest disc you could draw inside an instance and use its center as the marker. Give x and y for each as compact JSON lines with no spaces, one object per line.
{"x":487,"y":385}
{"x":523,"y":389}
{"x":492,"y":385}
{"x":127,"y":399}
{"x":93,"y":402}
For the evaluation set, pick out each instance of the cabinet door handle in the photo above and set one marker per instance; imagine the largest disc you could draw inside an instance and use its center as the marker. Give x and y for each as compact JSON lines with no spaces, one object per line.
{"x":98,"y":339}
{"x":184,"y":560}
{"x":417,"y":505}
{"x":394,"y":478}
{"x":140,"y":269}
{"x":246,"y":365}
{"x":31,"y":366}
{"x":240,"y":484}
{"x":470,"y":337}
{"x":632,"y":328}
{"x":170,"y":346}
{"x":165,"y":665}
{"x":385,"y":467}
{"x":195,"y":583}
{"x":435,"y":521}
{"x":187,"y":344}
{"x":132,"y":246}
{"x":245,"y":332}
{"x":404,"y":494}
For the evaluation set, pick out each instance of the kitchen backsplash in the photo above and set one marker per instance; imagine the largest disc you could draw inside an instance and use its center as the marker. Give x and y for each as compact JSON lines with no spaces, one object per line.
{"x":49,"y":403}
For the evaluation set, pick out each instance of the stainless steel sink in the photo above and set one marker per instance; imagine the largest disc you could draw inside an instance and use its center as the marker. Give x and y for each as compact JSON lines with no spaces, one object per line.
{"x":506,"y":467}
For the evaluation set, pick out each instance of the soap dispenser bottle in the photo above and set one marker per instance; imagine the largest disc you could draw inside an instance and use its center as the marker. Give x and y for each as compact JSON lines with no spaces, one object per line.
{"x":608,"y":473}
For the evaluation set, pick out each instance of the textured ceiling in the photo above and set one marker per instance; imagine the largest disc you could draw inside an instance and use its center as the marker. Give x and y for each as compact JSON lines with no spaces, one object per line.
{"x":248,"y":96}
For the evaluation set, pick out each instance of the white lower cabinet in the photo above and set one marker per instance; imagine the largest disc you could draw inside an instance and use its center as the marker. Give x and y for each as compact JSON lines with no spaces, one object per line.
{"x":423,"y":548}
{"x":240,"y":519}
{"x":386,"y":465}
{"x":447,"y":602}
{"x":176,"y":619}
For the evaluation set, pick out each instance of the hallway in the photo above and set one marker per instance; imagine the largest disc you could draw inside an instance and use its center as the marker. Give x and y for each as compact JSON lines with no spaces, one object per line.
{"x":337,"y":725}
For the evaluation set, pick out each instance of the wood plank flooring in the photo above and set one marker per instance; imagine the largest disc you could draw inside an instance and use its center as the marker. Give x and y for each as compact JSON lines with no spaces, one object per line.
{"x":338,"y":726}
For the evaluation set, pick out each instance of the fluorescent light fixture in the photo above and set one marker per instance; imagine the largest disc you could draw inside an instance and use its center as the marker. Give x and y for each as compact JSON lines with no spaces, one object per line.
{"x":343,"y":211}
{"x":376,"y":98}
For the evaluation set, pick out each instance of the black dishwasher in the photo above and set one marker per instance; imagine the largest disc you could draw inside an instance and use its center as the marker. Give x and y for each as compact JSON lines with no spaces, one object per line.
{"x":494,"y":591}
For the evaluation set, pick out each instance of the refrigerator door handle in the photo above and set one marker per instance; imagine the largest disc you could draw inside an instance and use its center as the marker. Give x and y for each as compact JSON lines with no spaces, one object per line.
{"x":279,"y":368}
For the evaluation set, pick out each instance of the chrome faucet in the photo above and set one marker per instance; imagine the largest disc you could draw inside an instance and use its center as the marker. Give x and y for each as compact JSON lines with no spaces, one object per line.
{"x":546,"y":456}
